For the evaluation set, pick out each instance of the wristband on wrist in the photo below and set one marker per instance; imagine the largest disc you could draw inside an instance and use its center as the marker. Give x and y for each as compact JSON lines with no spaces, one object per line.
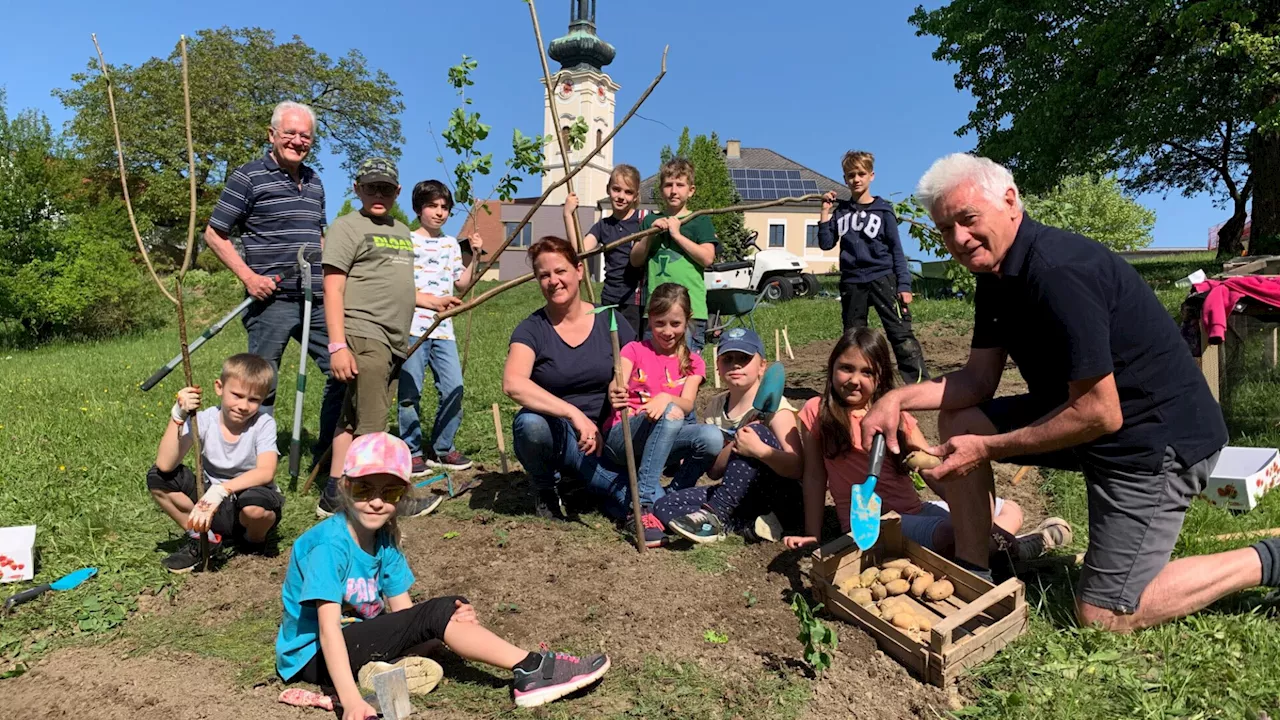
{"x":335,"y":347}
{"x":215,"y":495}
{"x":178,"y":415}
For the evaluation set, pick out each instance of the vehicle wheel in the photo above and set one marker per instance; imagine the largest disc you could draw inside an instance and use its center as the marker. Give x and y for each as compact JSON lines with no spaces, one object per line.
{"x":808,"y":286}
{"x":777,"y":289}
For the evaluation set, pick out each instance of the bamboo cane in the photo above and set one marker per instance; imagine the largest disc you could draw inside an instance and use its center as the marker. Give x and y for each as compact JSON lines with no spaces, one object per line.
{"x":786,"y":341}
{"x":502,"y":442}
{"x":572,"y":228}
{"x":176,"y":296}
{"x":636,"y":510}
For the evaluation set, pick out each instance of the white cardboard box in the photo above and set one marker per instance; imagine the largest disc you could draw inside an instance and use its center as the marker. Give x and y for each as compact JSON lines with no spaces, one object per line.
{"x":1242,"y":476}
{"x":16,"y":546}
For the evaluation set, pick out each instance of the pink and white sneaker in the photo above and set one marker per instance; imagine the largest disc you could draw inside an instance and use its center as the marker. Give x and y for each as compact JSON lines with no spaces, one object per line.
{"x":558,"y":675}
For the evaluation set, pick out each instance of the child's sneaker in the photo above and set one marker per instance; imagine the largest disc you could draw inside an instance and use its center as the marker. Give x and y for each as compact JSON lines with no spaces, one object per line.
{"x":414,"y":506}
{"x":419,"y":467}
{"x":420,"y":674}
{"x":547,"y":505}
{"x":767,"y":528}
{"x":452,"y":460}
{"x":187,"y":558}
{"x":654,"y":532}
{"x":330,"y":503}
{"x":701,"y":526}
{"x":557,"y":676}
{"x":1052,"y":533}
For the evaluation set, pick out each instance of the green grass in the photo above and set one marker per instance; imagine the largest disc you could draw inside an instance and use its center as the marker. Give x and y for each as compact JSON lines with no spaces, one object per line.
{"x":78,"y":437}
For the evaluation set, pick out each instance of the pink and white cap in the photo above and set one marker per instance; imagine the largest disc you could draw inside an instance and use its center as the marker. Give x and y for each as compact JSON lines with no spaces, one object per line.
{"x":378,"y":453}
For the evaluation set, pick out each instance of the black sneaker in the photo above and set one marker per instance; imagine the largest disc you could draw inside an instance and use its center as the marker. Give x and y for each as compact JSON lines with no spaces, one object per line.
{"x":414,"y":506}
{"x":700,"y":526}
{"x":330,"y":503}
{"x":452,"y":460}
{"x":546,"y":505}
{"x":419,"y":467}
{"x":187,"y":558}
{"x":655,"y":533}
{"x":557,"y":676}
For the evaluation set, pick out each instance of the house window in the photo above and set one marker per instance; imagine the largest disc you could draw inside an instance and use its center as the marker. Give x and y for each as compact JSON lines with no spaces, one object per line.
{"x":525,"y":239}
{"x":777,"y":234}
{"x":811,"y":235}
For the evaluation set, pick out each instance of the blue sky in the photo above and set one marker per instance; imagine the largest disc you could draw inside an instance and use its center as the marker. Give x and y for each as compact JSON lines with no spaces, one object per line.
{"x":806,"y":84}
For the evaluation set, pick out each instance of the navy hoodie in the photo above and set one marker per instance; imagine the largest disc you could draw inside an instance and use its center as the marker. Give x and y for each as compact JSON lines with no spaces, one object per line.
{"x":869,"y":244}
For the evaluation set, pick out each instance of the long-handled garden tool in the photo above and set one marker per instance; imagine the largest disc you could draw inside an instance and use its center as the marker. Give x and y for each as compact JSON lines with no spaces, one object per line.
{"x":864,"y":505}
{"x":295,"y":442}
{"x":633,"y":485}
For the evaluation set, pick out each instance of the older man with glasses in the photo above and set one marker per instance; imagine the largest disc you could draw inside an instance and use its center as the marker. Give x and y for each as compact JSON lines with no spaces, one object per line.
{"x":276,"y":205}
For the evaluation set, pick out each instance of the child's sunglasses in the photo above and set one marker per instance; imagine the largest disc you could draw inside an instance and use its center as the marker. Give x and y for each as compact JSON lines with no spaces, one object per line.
{"x":364,"y":491}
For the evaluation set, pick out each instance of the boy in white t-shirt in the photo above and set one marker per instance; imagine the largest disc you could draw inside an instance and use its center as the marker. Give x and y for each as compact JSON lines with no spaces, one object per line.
{"x":238,"y":451}
{"x":437,"y":271}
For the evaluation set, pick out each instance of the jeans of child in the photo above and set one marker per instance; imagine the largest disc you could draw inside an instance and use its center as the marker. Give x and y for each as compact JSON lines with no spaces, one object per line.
{"x":547,"y":447}
{"x":270,"y":324}
{"x":442,"y":357}
{"x":659,"y":444}
{"x":387,"y":638}
{"x":749,"y":488}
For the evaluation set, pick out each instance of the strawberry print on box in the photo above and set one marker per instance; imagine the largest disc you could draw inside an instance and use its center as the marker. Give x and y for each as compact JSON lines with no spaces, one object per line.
{"x":1242,"y":476}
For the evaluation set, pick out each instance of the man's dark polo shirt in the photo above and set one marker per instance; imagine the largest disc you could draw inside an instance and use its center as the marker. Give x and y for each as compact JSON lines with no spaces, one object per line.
{"x":274,"y":217}
{"x":1065,"y":308}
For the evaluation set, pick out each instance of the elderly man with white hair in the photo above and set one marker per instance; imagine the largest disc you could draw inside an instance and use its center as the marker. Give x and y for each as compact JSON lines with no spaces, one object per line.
{"x":1112,"y":391}
{"x":276,"y":205}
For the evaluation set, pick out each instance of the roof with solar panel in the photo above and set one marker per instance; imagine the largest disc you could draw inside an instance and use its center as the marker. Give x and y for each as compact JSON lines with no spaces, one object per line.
{"x":762,"y":174}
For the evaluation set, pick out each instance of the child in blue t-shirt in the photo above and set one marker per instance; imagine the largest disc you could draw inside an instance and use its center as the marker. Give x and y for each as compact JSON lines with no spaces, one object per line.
{"x":347,"y":611}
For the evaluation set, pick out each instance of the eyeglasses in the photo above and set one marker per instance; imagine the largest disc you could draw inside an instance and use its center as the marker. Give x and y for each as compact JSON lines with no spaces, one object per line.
{"x":294,"y":135}
{"x":380,"y":189}
{"x":364,"y":491}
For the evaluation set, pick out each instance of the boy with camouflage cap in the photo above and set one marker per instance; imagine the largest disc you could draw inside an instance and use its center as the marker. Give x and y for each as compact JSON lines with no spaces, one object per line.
{"x":369,"y":301}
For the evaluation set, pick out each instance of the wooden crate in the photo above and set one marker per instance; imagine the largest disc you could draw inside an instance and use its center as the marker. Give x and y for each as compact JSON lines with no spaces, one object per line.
{"x":968,"y":628}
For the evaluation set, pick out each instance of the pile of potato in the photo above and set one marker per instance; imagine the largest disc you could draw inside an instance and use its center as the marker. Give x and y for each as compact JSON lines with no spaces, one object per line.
{"x":880,"y":591}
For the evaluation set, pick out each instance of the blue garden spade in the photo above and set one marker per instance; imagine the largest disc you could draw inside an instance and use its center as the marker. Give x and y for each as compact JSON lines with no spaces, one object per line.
{"x":66,"y":582}
{"x":864,"y":505}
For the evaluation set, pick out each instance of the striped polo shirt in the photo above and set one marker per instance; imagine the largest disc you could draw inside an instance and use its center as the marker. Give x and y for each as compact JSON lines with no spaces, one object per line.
{"x":274,"y":217}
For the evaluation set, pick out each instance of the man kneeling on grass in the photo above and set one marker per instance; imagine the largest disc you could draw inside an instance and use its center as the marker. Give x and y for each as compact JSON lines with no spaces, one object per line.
{"x":238,"y":450}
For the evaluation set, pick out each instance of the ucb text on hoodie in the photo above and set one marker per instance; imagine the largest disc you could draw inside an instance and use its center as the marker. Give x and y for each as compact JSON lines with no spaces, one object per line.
{"x":869,"y":244}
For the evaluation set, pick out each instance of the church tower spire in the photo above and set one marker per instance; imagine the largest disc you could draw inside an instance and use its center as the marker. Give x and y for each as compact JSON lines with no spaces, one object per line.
{"x":583,"y":91}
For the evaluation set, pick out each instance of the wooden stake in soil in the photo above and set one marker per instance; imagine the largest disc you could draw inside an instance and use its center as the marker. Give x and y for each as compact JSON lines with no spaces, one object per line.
{"x":786,"y":340}
{"x":176,"y":296}
{"x":502,"y":442}
{"x":1017,"y":477}
{"x":626,"y":435}
{"x":1249,"y":534}
{"x":777,"y":345}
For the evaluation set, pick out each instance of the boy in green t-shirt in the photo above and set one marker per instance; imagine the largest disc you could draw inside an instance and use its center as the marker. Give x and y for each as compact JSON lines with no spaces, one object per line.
{"x":679,"y":254}
{"x":369,"y":301}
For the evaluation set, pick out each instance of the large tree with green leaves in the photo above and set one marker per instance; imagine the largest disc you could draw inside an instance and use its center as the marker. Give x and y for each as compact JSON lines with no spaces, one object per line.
{"x":715,"y":189}
{"x":1174,"y":95}
{"x":1097,"y":208}
{"x":237,"y":77}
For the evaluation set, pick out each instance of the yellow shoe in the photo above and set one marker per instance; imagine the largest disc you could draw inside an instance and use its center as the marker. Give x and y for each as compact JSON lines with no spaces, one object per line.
{"x":420,"y":674}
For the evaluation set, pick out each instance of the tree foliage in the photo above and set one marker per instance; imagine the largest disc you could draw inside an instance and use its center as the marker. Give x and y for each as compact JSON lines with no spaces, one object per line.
{"x":1097,"y":208}
{"x":1166,"y":93}
{"x":64,"y":266}
{"x":237,"y":78}
{"x":715,"y":189}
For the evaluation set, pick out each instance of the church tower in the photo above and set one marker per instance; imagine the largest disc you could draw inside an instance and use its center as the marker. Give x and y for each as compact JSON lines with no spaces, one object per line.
{"x":583,"y":90}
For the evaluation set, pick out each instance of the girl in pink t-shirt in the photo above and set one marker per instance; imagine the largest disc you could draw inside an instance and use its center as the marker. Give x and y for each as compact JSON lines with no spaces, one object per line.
{"x":859,"y":372}
{"x":663,"y":377}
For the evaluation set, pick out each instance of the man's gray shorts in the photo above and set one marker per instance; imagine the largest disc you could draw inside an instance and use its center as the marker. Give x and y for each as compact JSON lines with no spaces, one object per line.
{"x":1134,"y":516}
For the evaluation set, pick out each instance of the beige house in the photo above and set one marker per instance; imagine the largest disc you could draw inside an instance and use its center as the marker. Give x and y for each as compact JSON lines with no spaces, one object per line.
{"x":762,"y":174}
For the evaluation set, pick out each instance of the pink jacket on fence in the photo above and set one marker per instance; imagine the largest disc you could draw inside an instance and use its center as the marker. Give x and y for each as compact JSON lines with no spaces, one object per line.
{"x":1224,"y":294}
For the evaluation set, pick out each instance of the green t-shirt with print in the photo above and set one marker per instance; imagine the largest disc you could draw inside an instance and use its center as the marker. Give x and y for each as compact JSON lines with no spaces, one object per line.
{"x":668,"y":263}
{"x":377,"y":256}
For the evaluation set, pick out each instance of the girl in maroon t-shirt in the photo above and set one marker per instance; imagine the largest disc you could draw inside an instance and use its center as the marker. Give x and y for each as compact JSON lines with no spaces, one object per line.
{"x":859,"y":372}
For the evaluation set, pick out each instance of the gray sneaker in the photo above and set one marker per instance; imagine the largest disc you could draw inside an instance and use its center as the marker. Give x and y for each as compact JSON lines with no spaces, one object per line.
{"x":414,"y":506}
{"x":700,"y":526}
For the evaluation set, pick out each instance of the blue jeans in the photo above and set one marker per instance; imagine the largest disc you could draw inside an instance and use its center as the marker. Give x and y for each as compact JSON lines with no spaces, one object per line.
{"x":689,"y":448}
{"x":270,"y":324}
{"x":442,"y":356}
{"x":547,"y":447}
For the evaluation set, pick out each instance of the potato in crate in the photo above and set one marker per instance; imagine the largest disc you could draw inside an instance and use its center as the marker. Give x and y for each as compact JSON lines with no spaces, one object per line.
{"x":932,"y":615}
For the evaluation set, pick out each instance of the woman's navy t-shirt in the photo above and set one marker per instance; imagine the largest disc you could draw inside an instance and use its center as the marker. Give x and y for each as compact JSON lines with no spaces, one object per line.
{"x":621,"y":278}
{"x":578,"y":375}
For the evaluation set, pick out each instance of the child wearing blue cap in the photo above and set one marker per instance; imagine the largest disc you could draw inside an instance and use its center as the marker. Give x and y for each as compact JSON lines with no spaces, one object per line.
{"x":758,"y":465}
